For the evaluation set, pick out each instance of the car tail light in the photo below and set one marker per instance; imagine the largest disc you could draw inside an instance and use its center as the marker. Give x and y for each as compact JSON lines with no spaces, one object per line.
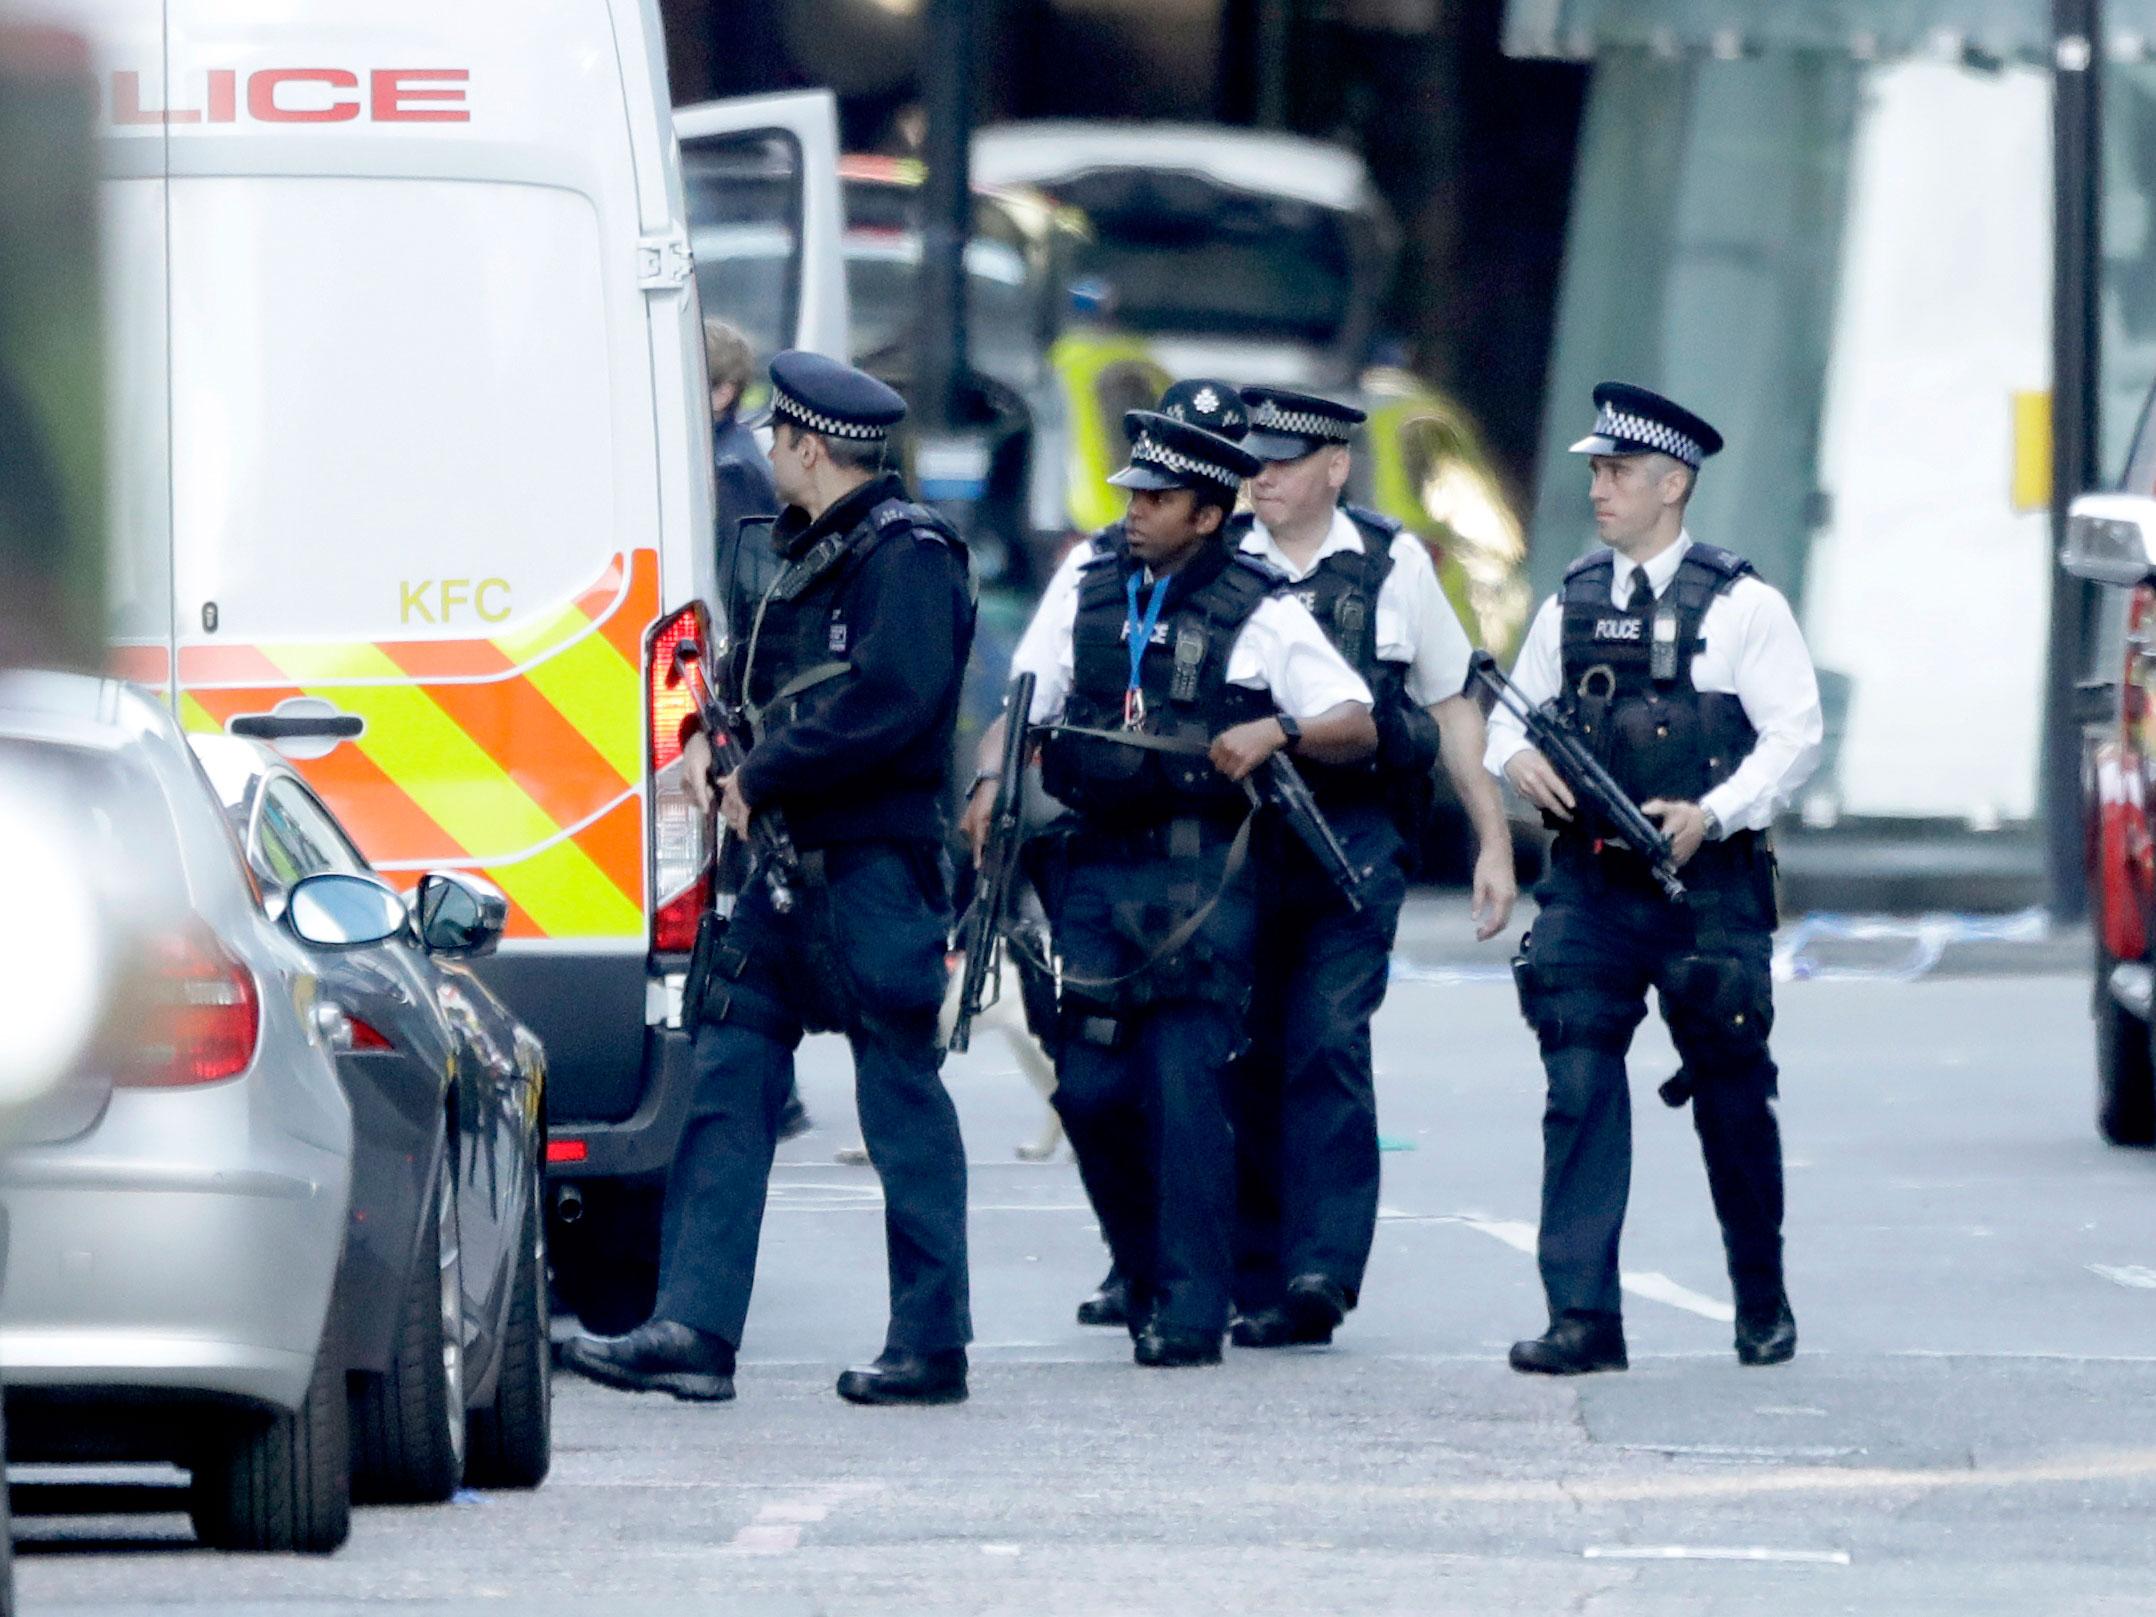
{"x":681,"y":841}
{"x":567,"y":1151}
{"x":367,"y":1037}
{"x":201,"y":1015}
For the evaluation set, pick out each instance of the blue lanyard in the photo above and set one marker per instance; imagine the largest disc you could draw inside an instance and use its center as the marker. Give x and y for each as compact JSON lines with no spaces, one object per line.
{"x":1140,"y":630}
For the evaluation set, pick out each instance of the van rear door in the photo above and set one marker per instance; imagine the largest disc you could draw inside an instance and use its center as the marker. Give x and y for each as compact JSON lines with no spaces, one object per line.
{"x":765,"y":218}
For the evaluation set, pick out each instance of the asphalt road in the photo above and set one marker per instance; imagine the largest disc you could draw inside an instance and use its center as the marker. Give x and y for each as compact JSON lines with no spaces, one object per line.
{"x":1970,"y":1424}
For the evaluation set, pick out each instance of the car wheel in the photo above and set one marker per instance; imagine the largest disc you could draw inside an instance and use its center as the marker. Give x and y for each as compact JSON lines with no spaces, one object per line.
{"x":2125,"y":1067}
{"x":280,"y":1481}
{"x":513,"y":1441}
{"x":408,"y":1425}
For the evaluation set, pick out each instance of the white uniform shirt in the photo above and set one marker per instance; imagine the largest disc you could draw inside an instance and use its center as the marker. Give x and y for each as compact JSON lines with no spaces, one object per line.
{"x":1416,"y":624}
{"x":1754,"y":651}
{"x":1280,"y":649}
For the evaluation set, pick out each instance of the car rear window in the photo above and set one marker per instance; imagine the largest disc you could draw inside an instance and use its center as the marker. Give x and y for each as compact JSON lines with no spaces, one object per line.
{"x":125,"y":839}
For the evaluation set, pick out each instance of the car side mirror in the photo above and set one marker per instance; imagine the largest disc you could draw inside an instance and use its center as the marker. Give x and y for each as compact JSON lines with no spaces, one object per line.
{"x":337,"y":911}
{"x":2111,"y":538}
{"x":459,"y":916}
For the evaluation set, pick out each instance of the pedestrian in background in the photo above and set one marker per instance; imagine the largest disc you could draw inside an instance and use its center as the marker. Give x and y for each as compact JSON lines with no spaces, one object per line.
{"x":1688,"y":676}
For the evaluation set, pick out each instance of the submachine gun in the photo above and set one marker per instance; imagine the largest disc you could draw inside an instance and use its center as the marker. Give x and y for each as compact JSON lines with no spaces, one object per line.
{"x":1551,"y":731}
{"x":771,"y":848}
{"x":1286,"y":790}
{"x":980,"y":933}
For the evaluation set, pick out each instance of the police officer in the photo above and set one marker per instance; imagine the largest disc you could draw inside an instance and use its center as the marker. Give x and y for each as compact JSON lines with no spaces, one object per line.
{"x":1306,"y":1131}
{"x":1199,"y":401}
{"x":1689,"y":676}
{"x":1170,"y":673}
{"x":855,"y":658}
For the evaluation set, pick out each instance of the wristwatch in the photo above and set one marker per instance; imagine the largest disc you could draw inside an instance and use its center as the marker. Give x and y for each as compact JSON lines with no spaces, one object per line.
{"x":1714,"y":823}
{"x":1289,"y":728}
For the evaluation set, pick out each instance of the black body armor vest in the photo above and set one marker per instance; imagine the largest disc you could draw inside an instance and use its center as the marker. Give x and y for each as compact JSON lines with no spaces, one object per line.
{"x":1184,"y":679}
{"x":1628,"y":682}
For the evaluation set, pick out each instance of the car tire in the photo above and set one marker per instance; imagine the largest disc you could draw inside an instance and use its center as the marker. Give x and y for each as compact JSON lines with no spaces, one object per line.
{"x":409,"y":1425}
{"x":2125,"y":1067}
{"x":280,"y":1481}
{"x":512,"y":1441}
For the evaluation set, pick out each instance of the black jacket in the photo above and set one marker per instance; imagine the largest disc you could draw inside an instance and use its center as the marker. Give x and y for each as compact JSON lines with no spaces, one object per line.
{"x":867,"y":755}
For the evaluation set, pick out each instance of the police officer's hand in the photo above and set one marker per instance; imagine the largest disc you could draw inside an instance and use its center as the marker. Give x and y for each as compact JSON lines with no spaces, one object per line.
{"x":980,"y":809}
{"x":1685,"y":824}
{"x":1496,"y":891}
{"x":1534,"y":779}
{"x":1245,"y":747}
{"x":696,"y":765}
{"x":733,"y":807}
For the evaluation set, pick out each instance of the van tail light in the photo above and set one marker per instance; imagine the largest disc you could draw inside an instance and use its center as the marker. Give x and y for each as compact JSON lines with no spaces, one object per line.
{"x":681,"y":839}
{"x":201,"y":1015}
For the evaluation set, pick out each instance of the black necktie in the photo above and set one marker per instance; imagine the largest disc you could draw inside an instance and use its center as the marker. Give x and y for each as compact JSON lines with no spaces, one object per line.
{"x":1641,"y":600}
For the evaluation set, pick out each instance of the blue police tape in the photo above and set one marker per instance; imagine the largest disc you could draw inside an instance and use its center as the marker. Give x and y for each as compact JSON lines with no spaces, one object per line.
{"x":1927,"y":938}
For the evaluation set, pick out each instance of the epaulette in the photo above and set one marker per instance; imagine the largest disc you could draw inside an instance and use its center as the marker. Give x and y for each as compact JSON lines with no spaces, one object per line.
{"x":1363,"y":516}
{"x":891,"y":515}
{"x":1593,"y":559}
{"x":1714,"y":558}
{"x":1272,"y":577}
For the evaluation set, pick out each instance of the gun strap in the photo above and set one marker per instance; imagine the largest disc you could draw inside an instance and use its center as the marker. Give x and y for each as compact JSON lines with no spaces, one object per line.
{"x":1135,"y":738}
{"x":807,"y":680}
{"x":1231,"y":867}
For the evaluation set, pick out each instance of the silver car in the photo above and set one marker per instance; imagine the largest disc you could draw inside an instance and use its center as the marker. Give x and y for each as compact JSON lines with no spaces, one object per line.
{"x":177,"y":1209}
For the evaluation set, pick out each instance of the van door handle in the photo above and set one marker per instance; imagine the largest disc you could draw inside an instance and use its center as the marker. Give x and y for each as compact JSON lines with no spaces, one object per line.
{"x":300,"y":727}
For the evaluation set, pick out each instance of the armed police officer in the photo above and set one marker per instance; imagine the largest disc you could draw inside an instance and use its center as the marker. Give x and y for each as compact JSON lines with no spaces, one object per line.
{"x":1203,"y":402}
{"x":1169,"y":676}
{"x":1688,"y":677}
{"x":853,"y":659}
{"x":1306,"y":1135}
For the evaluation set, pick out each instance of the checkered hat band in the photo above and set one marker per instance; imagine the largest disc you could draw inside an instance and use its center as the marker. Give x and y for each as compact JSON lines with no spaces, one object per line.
{"x":785,"y":404}
{"x":1155,"y":453}
{"x":1641,"y":429}
{"x":1303,"y":423}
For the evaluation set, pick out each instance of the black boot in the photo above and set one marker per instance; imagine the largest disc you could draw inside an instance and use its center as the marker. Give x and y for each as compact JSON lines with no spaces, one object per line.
{"x":907,"y":1378}
{"x":1267,"y":1328}
{"x":1108,"y":1306}
{"x":1766,"y":1334}
{"x":1162,"y":1347}
{"x":660,"y":1355}
{"x":1576,"y":1345}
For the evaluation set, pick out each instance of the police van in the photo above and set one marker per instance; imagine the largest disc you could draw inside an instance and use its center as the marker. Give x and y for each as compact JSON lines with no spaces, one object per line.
{"x":413,"y":462}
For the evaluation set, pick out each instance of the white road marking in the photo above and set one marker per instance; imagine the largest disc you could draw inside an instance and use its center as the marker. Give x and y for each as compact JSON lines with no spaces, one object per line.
{"x":1740,"y":1451}
{"x":1693,"y":1552}
{"x":777,"y":1526}
{"x":2127,"y":1274}
{"x":1651,"y":1284}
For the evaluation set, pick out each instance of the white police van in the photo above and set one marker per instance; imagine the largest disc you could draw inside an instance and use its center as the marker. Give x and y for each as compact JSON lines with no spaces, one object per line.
{"x":413,"y":461}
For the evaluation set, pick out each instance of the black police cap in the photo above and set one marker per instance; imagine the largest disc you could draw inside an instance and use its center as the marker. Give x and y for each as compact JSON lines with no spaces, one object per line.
{"x":1166,"y":453}
{"x":1203,"y":402}
{"x":1635,"y":421}
{"x":1287,"y":425}
{"x":821,"y":395}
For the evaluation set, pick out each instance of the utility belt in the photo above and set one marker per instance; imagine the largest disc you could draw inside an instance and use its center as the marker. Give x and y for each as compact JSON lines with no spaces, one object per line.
{"x":1739,"y":873}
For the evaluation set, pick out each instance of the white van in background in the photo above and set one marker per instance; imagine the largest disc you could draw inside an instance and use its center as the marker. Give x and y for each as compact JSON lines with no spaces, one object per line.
{"x":413,"y":460}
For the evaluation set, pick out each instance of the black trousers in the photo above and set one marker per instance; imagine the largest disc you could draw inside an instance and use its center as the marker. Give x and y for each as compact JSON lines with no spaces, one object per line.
{"x":1141,"y":1083}
{"x":892,"y":919}
{"x":1597,"y":947}
{"x":1306,"y":1141}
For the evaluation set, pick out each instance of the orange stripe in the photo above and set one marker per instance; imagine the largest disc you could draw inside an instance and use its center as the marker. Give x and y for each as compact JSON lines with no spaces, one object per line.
{"x":616,"y":845}
{"x":446,"y":659}
{"x":540,"y":750}
{"x":227,"y":665}
{"x":145,"y":665}
{"x":383,"y":820}
{"x":625,"y":629}
{"x":224,"y":706}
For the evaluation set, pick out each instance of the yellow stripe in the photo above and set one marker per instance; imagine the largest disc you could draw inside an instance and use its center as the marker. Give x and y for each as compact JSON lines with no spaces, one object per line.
{"x":468,"y":794}
{"x":593,"y":687}
{"x":195,"y":718}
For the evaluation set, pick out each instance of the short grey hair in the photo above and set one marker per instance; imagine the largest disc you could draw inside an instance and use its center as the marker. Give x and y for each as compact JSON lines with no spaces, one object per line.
{"x":727,"y":356}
